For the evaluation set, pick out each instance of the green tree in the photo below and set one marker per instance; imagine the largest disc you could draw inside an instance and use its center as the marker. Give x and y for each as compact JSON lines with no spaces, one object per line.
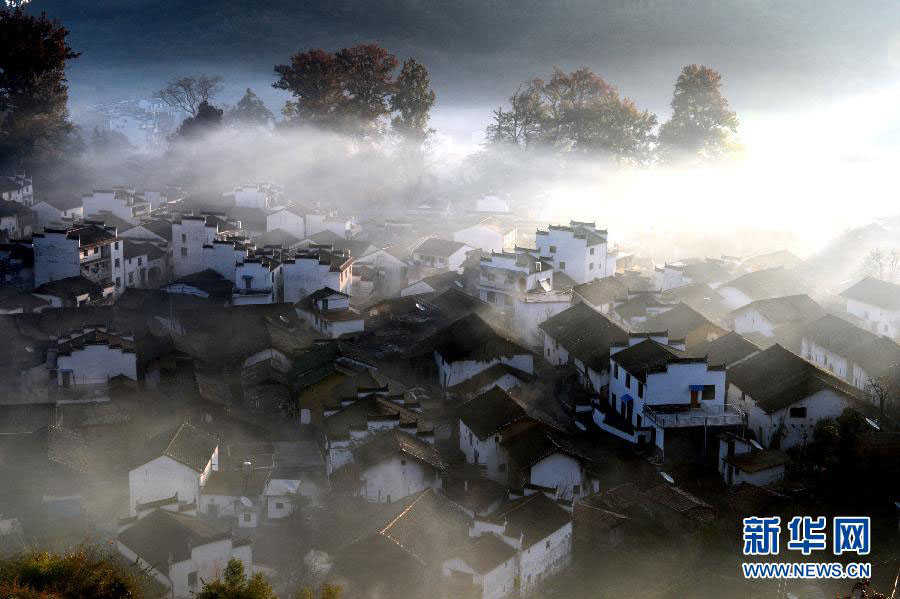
{"x":523,"y":124}
{"x":701,"y":123}
{"x":82,"y":573}
{"x":235,"y":584}
{"x":328,"y":591}
{"x":250,"y":110}
{"x":106,"y":141}
{"x":207,"y":120}
{"x":34,"y":119}
{"x":411,"y":102}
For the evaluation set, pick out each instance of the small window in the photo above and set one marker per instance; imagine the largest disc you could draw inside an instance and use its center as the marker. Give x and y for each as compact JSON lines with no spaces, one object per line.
{"x":552,"y":249}
{"x":592,"y":251}
{"x":403,"y":462}
{"x":139,"y":261}
{"x":247,"y":517}
{"x":116,"y":245}
{"x":118,"y":281}
{"x":496,"y":438}
{"x":184,"y":251}
{"x":192,"y":579}
{"x":117,"y":263}
{"x":130,"y":277}
{"x":709,"y":391}
{"x":183,"y":238}
{"x":562,"y":265}
{"x":279,"y":505}
{"x":640,"y":389}
{"x":798,"y":412}
{"x":591,"y":266}
{"x":628,"y":380}
{"x":615,"y":371}
{"x":547,"y":545}
{"x":491,"y":297}
{"x":576,"y":489}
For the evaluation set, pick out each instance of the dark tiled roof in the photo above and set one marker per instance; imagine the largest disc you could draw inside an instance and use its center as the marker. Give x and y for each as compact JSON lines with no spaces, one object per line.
{"x":727,"y":349}
{"x":585,"y":333}
{"x":790,"y":309}
{"x":487,"y":377}
{"x":160,"y":227}
{"x":278,"y":237}
{"x":535,"y":517}
{"x":602,"y":291}
{"x":186,"y":444}
{"x":490,"y":412}
{"x":471,"y":338}
{"x":680,"y":321}
{"x":777,"y":378}
{"x":70,"y":286}
{"x":875,"y":292}
{"x":638,"y":305}
{"x":758,"y":460}
{"x":486,"y":552}
{"x":647,"y":356}
{"x":235,"y":482}
{"x":434,"y":246}
{"x":133,"y":249}
{"x":161,"y":534}
{"x":388,"y":443}
{"x":10,"y":208}
{"x":873,"y":353}
{"x":772,"y":282}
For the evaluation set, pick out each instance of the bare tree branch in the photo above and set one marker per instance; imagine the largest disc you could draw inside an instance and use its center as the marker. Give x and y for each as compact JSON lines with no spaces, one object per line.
{"x":187,"y":93}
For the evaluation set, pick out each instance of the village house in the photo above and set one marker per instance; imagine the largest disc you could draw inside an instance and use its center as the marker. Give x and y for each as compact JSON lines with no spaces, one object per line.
{"x":600,"y":294}
{"x":256,"y":281}
{"x":784,"y":396}
{"x":17,"y":266}
{"x":17,"y":188}
{"x":291,"y":219}
{"x":503,"y":278}
{"x":56,"y":210}
{"x":93,"y":356}
{"x":768,"y":319}
{"x":440,"y":254}
{"x":579,"y":250}
{"x":179,"y":550}
{"x":122,"y":202}
{"x":740,"y":462}
{"x":189,"y":235}
{"x":848,"y":351}
{"x":709,"y":271}
{"x":469,"y":346}
{"x":533,"y":308}
{"x":318,"y":221}
{"x":236,"y":494}
{"x":490,"y":235}
{"x":776,"y":259}
{"x":683,"y":322}
{"x":16,"y":220}
{"x":261,"y":195}
{"x":158,"y":231}
{"x":434,"y":283}
{"x":74,"y":292}
{"x":760,"y":285}
{"x":877,"y":304}
{"x":142,"y":265}
{"x":306,"y":271}
{"x":660,"y":394}
{"x":177,"y":461}
{"x":726,"y":350}
{"x":329,"y":312}
{"x":87,"y":250}
{"x":635,"y":308}
{"x":582,"y":337}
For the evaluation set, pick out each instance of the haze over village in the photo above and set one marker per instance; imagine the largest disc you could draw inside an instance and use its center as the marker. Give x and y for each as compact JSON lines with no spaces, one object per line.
{"x":312,"y":302}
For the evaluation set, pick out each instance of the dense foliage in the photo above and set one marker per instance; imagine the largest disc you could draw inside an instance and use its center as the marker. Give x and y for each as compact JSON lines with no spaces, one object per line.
{"x":81,"y":574}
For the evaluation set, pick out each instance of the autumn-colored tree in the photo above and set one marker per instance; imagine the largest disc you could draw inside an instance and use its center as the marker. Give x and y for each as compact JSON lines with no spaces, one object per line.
{"x":235,"y":584}
{"x":250,"y":110}
{"x":34,"y":119}
{"x":367,"y":82}
{"x":189,"y":93}
{"x":314,"y":79}
{"x":701,"y":123}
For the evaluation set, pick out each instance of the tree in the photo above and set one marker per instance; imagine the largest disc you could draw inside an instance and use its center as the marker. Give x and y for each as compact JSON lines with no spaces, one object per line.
{"x":411,"y":102}
{"x":314,"y":78}
{"x":106,"y":141}
{"x":523,"y":124}
{"x":207,"y":119}
{"x":235,"y":584}
{"x":34,"y":119}
{"x":189,"y":93}
{"x":701,"y":123}
{"x":81,"y":573}
{"x":366,"y":74}
{"x":250,"y":110}
{"x":328,"y":591}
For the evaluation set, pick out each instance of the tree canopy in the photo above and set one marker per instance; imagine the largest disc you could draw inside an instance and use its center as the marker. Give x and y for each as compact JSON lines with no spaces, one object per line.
{"x":250,"y":110}
{"x":207,"y":119}
{"x":701,"y":123}
{"x":189,"y":93}
{"x":235,"y":584}
{"x":34,"y":119}
{"x":81,"y":574}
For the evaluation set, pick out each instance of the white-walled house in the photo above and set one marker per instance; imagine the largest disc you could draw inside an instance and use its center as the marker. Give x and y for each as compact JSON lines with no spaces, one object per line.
{"x":291,"y":219}
{"x":236,"y":494}
{"x":470,"y":346}
{"x":122,"y":202}
{"x":93,"y":356}
{"x":176,"y":461}
{"x":254,"y":195}
{"x":533,"y":308}
{"x":142,"y":266}
{"x":765,"y":317}
{"x":17,"y":188}
{"x":490,"y":234}
{"x":307,"y":271}
{"x":189,"y":235}
{"x":761,"y":284}
{"x":658,"y":391}
{"x":440,"y":254}
{"x":390,"y":465}
{"x":255,"y":281}
{"x":180,"y":551}
{"x":87,"y":250}
{"x":784,"y":396}
{"x":876,"y":303}
{"x":502,"y":278}
{"x":579,"y":250}
{"x":329,"y":312}
{"x":16,"y":220}
{"x":740,"y":462}
{"x":488,"y":563}
{"x":56,"y":210}
{"x":319,"y":221}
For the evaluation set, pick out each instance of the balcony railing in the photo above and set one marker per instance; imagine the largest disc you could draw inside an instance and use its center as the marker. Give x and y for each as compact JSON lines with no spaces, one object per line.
{"x":677,"y":417}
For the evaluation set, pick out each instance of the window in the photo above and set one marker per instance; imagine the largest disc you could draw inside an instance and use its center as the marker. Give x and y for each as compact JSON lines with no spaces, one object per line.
{"x":84,"y":253}
{"x":139,"y":261}
{"x":248,"y":280}
{"x":117,"y":263}
{"x":491,"y":297}
{"x":709,"y":392}
{"x":247,"y":517}
{"x":501,"y":468}
{"x":279,"y":505}
{"x":628,"y":380}
{"x":496,"y":438}
{"x":192,"y":579}
{"x":592,"y":251}
{"x":615,"y":371}
{"x":552,"y":249}
{"x":798,"y":412}
{"x":130,"y":278}
{"x":403,"y":462}
{"x":118,"y":281}
{"x":183,"y":238}
{"x":576,"y":489}
{"x":562,"y":265}
{"x":591,"y":266}
{"x":184,"y":251}
{"x":640,"y":389}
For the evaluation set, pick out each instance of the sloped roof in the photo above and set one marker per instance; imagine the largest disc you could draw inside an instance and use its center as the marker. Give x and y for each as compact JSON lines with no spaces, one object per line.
{"x":185,"y":444}
{"x":757,"y":461}
{"x":493,"y":223}
{"x":133,"y":249}
{"x":277,"y":237}
{"x":486,"y":552}
{"x":727,"y":349}
{"x":648,"y":356}
{"x":771,"y":282}
{"x":235,"y":482}
{"x":535,"y":517}
{"x":10,"y":208}
{"x":875,"y":292}
{"x":679,"y":322}
{"x":70,"y":286}
{"x":873,"y":353}
{"x":585,"y":333}
{"x":162,"y":533}
{"x":638,"y":305}
{"x":777,"y":378}
{"x":490,"y":412}
{"x":325,"y":237}
{"x":388,"y":443}
{"x":434,"y":246}
{"x":602,"y":291}
{"x":472,"y":338}
{"x":790,"y":309}
{"x":160,"y":227}
{"x":783,"y":258}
